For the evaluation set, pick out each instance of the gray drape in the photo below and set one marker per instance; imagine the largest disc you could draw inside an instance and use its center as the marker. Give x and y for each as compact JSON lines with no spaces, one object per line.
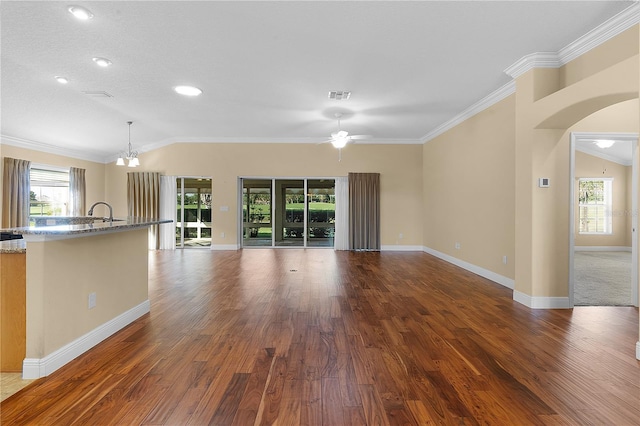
{"x":77,"y":192}
{"x":143,"y":200}
{"x":15,"y":193}
{"x":364,"y":211}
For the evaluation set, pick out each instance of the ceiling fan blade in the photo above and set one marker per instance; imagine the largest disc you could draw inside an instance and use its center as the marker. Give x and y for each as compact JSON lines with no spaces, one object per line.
{"x":360,"y":137}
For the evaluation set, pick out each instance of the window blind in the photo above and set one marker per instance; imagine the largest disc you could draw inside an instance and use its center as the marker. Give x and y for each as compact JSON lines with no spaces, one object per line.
{"x":44,"y":177}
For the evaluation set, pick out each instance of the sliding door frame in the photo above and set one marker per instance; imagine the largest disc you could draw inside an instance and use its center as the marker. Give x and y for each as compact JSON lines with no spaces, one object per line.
{"x":240,"y":217}
{"x":180,"y":179}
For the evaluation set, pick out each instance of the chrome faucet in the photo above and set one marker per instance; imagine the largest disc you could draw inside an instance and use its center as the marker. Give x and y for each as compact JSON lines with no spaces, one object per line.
{"x":90,"y":212}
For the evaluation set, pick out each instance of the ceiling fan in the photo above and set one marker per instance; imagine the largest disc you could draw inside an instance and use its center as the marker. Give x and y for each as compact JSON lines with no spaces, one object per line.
{"x":341,"y":138}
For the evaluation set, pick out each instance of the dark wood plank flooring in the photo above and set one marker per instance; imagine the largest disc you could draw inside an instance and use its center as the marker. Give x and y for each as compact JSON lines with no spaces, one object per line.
{"x":317,"y":337}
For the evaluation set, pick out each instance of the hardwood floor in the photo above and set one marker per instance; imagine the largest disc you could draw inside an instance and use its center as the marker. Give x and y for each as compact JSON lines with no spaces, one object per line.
{"x":317,"y":337}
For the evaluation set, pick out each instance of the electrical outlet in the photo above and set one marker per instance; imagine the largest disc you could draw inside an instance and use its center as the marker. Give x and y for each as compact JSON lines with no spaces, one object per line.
{"x":222,"y":235}
{"x":400,"y":236}
{"x":457,"y":245}
{"x":92,"y":300}
{"x":504,"y":259}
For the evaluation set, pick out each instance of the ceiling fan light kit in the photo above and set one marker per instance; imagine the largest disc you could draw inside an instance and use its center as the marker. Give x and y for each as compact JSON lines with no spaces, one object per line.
{"x":339,"y":142}
{"x":341,"y":138}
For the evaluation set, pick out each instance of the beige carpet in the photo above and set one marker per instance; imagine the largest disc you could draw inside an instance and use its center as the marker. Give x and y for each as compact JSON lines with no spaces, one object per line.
{"x":602,"y":278}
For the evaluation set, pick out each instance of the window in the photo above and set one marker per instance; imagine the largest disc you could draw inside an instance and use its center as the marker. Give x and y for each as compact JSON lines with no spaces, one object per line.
{"x":594,"y":205}
{"x":49,"y":191}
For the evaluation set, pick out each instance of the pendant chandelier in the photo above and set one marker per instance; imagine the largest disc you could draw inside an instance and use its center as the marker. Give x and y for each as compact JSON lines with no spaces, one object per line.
{"x":131,"y":156}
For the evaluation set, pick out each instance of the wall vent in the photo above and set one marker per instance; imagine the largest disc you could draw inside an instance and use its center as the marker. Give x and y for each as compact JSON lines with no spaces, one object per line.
{"x":340,"y":95}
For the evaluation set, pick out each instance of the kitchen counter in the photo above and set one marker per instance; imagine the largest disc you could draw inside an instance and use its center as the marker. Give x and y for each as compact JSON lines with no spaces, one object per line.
{"x":92,"y":226}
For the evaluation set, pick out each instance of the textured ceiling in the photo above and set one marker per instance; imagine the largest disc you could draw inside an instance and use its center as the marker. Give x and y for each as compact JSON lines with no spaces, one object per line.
{"x":265,"y":67}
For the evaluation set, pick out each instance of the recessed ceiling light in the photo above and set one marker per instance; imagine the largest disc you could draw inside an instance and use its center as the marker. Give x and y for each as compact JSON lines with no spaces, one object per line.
{"x":103,"y":62}
{"x":61,"y":80}
{"x":80,"y":12}
{"x":187,"y":90}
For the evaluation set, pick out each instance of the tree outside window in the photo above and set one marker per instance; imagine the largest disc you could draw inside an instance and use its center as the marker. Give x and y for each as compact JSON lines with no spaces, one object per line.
{"x":594,"y":205}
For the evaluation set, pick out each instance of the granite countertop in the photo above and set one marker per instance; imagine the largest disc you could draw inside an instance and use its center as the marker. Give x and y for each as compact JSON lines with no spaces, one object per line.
{"x":98,"y":226}
{"x":13,"y":246}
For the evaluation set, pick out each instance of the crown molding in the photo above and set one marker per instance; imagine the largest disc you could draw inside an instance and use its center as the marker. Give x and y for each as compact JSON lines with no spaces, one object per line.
{"x":484,"y":103}
{"x":602,"y":33}
{"x":609,"y":29}
{"x":534,"y":60}
{"x":51,"y":149}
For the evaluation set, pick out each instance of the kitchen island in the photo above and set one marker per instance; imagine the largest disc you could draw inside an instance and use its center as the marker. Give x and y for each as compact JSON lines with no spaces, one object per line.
{"x":84,"y":282}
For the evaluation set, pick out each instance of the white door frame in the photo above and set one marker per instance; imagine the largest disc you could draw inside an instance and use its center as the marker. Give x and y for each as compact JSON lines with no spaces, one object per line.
{"x":577,"y":137}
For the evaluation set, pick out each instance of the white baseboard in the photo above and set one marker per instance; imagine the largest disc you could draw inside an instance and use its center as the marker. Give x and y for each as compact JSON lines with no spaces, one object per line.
{"x":602,"y":248}
{"x":35,"y":368}
{"x":538,"y":302}
{"x":222,"y":247}
{"x":485,"y":273}
{"x":400,"y":248}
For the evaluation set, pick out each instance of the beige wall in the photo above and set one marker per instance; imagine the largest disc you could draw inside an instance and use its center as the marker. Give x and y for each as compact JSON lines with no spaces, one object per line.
{"x":601,"y":57}
{"x":543,"y":129}
{"x":95,"y":172}
{"x":588,"y":166}
{"x":61,"y":274}
{"x":400,"y":168}
{"x":469,"y":190}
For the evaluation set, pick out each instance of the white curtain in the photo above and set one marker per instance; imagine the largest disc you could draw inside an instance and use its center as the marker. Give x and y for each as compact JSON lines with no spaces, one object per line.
{"x":168,"y":203}
{"x":341,"y":241}
{"x":77,"y":192}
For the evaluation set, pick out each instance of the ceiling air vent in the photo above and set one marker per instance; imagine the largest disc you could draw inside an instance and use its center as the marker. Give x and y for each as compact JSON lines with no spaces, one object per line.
{"x":340,"y":95}
{"x":97,"y":94}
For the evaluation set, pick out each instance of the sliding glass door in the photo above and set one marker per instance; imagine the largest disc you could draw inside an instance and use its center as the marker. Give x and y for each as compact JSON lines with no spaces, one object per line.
{"x":193,"y":227}
{"x":256,"y":213}
{"x":288,"y":212}
{"x":321,"y":207}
